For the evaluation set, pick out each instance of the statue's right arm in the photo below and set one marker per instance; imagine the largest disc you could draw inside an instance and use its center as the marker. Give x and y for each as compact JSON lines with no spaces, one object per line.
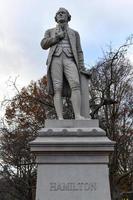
{"x":49,"y":40}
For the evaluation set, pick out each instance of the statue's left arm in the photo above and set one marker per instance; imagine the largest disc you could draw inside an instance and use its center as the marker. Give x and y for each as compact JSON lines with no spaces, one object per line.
{"x":80,"y":55}
{"x":79,"y":52}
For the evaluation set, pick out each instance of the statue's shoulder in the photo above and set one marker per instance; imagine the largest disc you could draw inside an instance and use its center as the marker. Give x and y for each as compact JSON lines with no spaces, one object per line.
{"x":74,"y":31}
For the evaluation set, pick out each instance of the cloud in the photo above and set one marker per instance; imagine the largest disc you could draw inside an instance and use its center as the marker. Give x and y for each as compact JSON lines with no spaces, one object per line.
{"x":18,"y":55}
{"x":23,"y":23}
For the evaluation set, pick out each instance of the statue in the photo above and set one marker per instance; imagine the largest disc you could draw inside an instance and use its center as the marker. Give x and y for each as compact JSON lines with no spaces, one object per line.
{"x":65,"y":63}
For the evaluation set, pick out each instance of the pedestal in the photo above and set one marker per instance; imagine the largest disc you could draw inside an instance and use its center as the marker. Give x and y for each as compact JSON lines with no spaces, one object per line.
{"x":72,"y":157}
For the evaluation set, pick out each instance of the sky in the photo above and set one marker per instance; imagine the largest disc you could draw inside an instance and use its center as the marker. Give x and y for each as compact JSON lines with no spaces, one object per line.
{"x":24,"y":22}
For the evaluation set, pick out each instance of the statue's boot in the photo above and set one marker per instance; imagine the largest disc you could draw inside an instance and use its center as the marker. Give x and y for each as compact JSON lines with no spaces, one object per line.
{"x":76,"y":102}
{"x":58,"y":104}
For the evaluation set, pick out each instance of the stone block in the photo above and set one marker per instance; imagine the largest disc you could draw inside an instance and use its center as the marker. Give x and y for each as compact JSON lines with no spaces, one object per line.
{"x":72,"y":158}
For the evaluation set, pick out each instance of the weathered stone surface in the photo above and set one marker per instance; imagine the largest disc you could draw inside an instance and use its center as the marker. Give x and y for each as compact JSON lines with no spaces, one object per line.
{"x":79,"y":132}
{"x":69,"y":128}
{"x":73,"y":181}
{"x":69,"y":123}
{"x":72,"y":159}
{"x":89,"y":144}
{"x":85,"y":107}
{"x":64,"y":64}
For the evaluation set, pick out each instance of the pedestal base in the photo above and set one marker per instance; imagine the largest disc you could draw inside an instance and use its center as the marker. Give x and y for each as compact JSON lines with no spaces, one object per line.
{"x":72,"y":159}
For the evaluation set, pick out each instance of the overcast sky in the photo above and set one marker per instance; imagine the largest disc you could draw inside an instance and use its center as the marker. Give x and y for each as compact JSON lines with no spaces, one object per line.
{"x":23,"y":23}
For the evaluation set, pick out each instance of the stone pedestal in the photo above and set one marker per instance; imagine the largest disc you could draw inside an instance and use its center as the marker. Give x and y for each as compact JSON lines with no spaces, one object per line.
{"x":72,"y":157}
{"x":85,"y":107}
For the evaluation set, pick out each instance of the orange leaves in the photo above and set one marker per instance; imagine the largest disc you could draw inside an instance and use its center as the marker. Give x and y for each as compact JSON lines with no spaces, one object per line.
{"x":28,"y":108}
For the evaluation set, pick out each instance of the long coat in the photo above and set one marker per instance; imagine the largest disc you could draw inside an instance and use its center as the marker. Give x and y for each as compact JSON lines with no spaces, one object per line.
{"x":50,"y":41}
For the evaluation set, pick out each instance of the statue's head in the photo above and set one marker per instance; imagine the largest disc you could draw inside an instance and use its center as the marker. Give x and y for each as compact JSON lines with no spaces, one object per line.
{"x":62,"y":16}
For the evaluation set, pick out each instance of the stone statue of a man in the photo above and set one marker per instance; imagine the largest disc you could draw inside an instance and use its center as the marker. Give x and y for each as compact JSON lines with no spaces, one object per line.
{"x":65,"y":61}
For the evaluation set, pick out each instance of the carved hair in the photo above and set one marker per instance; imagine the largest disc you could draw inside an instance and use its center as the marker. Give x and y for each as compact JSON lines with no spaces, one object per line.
{"x":63,"y":9}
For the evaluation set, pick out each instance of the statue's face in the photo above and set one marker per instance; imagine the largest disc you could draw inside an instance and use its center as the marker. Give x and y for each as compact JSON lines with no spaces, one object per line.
{"x":62,"y":16}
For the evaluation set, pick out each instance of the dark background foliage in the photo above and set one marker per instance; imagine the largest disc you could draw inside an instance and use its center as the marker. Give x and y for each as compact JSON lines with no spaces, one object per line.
{"x":111,"y":101}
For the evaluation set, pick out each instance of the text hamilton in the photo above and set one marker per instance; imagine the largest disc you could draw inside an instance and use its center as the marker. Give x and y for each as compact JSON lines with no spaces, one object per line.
{"x":71,"y":186}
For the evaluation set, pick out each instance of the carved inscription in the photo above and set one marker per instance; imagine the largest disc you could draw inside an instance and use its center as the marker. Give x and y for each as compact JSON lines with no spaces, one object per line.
{"x":80,"y":186}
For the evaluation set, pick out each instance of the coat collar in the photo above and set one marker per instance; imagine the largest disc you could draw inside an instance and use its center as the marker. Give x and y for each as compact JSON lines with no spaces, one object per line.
{"x":62,"y":26}
{"x":70,"y":32}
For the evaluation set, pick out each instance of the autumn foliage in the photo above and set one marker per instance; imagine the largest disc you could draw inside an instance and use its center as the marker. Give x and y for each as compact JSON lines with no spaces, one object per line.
{"x":111,"y":101}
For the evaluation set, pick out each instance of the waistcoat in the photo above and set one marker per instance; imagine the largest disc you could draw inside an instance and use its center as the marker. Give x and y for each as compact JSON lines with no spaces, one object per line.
{"x":64,"y":46}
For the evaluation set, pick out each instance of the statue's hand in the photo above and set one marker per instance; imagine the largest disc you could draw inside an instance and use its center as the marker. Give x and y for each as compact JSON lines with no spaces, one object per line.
{"x":86,"y":73}
{"x":60,"y":35}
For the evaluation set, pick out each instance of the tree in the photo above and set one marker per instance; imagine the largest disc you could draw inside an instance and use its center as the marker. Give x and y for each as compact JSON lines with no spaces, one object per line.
{"x":25,"y":114}
{"x":111,"y":93}
{"x":111,"y":88}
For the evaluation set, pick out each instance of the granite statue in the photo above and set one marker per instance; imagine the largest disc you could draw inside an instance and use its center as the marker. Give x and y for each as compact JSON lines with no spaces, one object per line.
{"x":65,"y":63}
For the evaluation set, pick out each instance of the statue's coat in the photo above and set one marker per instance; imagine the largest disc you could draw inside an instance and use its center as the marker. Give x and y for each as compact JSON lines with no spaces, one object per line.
{"x":49,"y":42}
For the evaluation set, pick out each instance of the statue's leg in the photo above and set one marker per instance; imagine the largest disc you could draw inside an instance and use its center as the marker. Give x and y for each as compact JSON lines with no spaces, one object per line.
{"x":76,"y":102}
{"x":58,"y":104}
{"x":72,"y":75}
{"x":57,"y":78}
